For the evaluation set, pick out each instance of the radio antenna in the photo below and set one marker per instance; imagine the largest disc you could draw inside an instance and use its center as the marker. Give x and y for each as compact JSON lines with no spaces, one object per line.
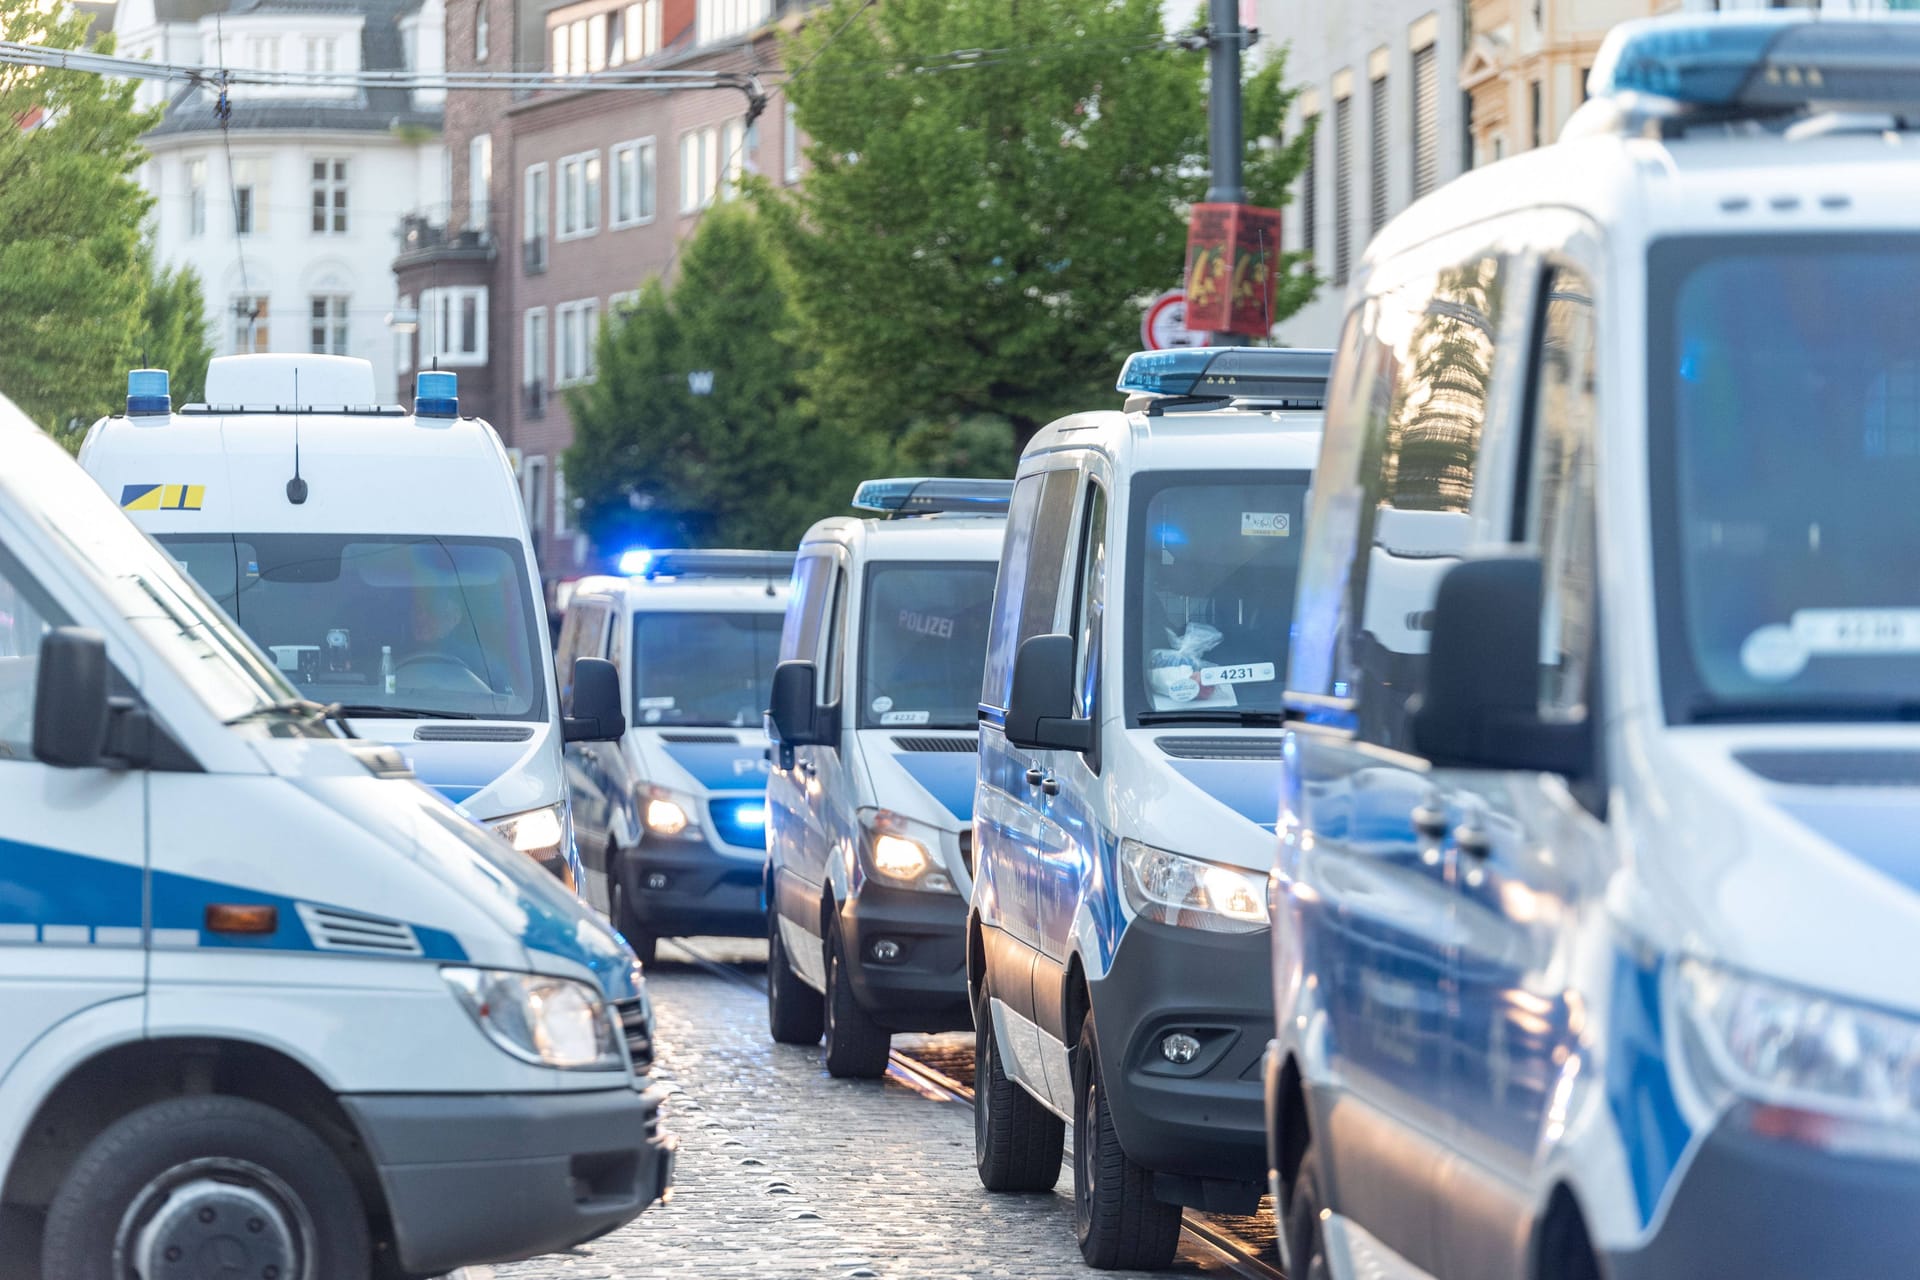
{"x":296,"y":487}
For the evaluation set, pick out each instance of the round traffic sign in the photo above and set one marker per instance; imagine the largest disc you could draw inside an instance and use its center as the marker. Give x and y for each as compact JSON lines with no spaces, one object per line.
{"x":1165,"y":323}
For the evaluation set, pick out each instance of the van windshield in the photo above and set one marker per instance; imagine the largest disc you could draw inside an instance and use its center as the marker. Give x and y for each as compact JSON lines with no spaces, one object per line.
{"x":438,"y":628}
{"x":924,"y":643}
{"x":1214,"y":558}
{"x":713,"y":669}
{"x":1785,"y":423}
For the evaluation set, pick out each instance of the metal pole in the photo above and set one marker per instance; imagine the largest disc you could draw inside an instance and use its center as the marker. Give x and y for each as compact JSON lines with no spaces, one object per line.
{"x":1223,"y":102}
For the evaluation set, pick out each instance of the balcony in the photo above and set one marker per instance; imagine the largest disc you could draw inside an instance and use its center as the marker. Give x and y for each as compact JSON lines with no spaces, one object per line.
{"x":426,"y":239}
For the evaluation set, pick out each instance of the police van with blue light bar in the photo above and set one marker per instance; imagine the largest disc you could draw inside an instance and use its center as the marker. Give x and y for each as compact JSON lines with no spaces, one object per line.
{"x":1596,"y":910}
{"x":1128,"y":782}
{"x":382,"y":558}
{"x":273,"y":1008}
{"x":870,"y":803}
{"x":672,"y":819}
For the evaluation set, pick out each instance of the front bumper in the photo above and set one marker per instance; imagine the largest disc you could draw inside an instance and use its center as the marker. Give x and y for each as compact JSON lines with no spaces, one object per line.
{"x":706,"y":891}
{"x":1204,"y":1120}
{"x":926,"y":988}
{"x":1764,"y":1208}
{"x":477,"y":1178}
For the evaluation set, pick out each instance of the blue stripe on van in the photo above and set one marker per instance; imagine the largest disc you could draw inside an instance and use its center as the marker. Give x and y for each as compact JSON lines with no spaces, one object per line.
{"x":1251,"y":788}
{"x":1653,"y":1132}
{"x":946,"y":776}
{"x":722,"y":766}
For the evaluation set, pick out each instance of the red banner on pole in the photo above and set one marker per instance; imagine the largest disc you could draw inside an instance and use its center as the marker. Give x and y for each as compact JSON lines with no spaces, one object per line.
{"x":1233,"y":260}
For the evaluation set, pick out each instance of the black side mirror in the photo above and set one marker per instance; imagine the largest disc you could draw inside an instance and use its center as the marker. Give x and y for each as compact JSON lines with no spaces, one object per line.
{"x":1481,"y":709}
{"x":795,"y":718}
{"x":70,"y":707}
{"x":1040,"y":709}
{"x":597,"y":713}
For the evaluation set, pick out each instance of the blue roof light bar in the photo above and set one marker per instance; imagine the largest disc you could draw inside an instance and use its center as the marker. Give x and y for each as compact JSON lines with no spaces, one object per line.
{"x":718,"y":564}
{"x":933,"y":495}
{"x":148,"y":393}
{"x":1765,"y":63}
{"x":436,"y":394}
{"x":1294,"y":376}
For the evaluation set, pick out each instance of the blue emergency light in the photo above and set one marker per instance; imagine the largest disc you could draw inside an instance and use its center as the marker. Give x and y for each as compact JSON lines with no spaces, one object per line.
{"x":634,"y":561}
{"x":436,"y":394}
{"x":1765,"y":63}
{"x":715,"y":564}
{"x":1295,"y":377}
{"x":148,"y":393}
{"x":933,"y":495}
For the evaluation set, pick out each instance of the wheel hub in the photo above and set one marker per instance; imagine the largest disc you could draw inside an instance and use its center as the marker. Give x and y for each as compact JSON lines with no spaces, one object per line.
{"x":207,"y":1227}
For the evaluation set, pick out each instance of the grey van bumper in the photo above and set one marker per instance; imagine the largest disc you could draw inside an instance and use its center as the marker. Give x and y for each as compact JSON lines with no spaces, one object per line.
{"x":475,"y":1178}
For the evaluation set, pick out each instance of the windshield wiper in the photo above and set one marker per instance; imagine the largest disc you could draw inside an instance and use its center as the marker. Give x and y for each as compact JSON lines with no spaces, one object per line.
{"x":374,"y":711}
{"x":299,"y":708}
{"x":1216,"y":715}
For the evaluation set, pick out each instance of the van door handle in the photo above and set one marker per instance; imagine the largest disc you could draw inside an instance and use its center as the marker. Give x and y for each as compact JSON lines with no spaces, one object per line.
{"x":1474,"y":839}
{"x":1049,"y":786}
{"x":1034,"y":777}
{"x":1429,"y":819}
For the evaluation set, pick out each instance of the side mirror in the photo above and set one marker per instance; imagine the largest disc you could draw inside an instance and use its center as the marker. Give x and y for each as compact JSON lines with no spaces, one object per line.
{"x":795,"y":718}
{"x":70,"y":707}
{"x":597,"y":713}
{"x":1481,"y":709}
{"x":1040,"y":709}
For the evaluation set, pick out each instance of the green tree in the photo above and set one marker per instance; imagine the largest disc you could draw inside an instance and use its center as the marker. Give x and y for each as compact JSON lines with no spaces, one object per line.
{"x":975,"y":445}
{"x":747,"y":465}
{"x":978,"y":234}
{"x":72,"y":282}
{"x":173,"y":332}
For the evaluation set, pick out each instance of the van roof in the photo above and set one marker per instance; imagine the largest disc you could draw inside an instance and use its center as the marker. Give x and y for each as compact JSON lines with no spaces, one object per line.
{"x":1197,"y":439}
{"x":942,"y":537}
{"x":686,"y":595}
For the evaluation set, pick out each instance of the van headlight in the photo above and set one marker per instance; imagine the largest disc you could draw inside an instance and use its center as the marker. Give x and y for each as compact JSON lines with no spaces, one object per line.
{"x":669,"y":815}
{"x":1823,"y":1070}
{"x":551,"y":1022}
{"x":901,"y":852}
{"x":1175,"y":889}
{"x":541,"y":834}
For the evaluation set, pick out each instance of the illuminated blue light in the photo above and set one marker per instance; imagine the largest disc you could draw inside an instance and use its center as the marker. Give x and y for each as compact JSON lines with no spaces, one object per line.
{"x":635,"y":561}
{"x":1169,"y":535}
{"x":751,"y":815}
{"x":436,"y":394}
{"x":1287,"y":377}
{"x":740,"y":821}
{"x":1164,"y":373}
{"x":148,"y":392}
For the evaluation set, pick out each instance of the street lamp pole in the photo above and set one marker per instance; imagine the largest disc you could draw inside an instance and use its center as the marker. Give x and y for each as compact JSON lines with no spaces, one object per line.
{"x":1225,"y":38}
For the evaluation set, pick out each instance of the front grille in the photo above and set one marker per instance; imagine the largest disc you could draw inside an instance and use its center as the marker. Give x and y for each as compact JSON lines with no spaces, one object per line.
{"x":966,"y":849}
{"x":741,"y":821}
{"x":636,"y":1026}
{"x":693,"y":739}
{"x":472,"y":733}
{"x":937,"y":744}
{"x":1221,"y":748}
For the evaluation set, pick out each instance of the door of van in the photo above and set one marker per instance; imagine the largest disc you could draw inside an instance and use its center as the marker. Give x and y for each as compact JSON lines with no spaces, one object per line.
{"x":796,"y":836}
{"x":593,"y":768}
{"x":73,"y":846}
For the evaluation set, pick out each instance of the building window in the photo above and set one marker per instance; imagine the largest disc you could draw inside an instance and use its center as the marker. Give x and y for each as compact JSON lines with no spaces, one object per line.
{"x":1426,"y":120}
{"x":580,"y":47}
{"x":699,"y":168}
{"x":479,"y":181}
{"x":403,"y":342}
{"x":1310,"y":195}
{"x":1538,"y":110}
{"x":579,"y":195}
{"x":534,"y":242}
{"x":1377,"y":175}
{"x":197,"y":197}
{"x":633,"y":183}
{"x":323,"y":53}
{"x":329,"y":324}
{"x":636,"y":33}
{"x":790,"y":143}
{"x":329,"y":196}
{"x":577,"y":326}
{"x":535,"y":493}
{"x":562,"y":501}
{"x":1342,"y":189}
{"x":724,"y":19}
{"x":620,"y":305}
{"x":480,"y":30}
{"x":249,"y":324}
{"x":739,"y":144}
{"x":249,"y":196}
{"x":533,"y":361}
{"x":263,"y":53}
{"x":453,"y":325}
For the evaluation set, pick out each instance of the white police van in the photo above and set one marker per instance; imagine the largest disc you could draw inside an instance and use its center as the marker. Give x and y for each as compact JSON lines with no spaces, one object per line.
{"x":672,"y":820}
{"x":870,"y":803}
{"x":1597,"y":921}
{"x":382,"y":558}
{"x":272,"y":1008}
{"x":1129,"y":774}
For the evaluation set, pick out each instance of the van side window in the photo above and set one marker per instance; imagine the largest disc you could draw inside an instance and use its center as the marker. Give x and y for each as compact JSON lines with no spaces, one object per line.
{"x":800,"y":637}
{"x":25,"y":616}
{"x":587,"y":622}
{"x":1560,"y":517}
{"x":1025,"y":604}
{"x":1089,"y":608}
{"x":830,"y":681}
{"x":1422,"y":421}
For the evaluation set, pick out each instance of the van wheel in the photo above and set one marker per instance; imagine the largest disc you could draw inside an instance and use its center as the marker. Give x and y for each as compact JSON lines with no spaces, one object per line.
{"x":857,"y":1046}
{"x":795,"y":1012}
{"x":1017,"y":1143}
{"x":1306,"y":1235}
{"x":227,"y":1184}
{"x":644,"y":942}
{"x":1121,"y":1224}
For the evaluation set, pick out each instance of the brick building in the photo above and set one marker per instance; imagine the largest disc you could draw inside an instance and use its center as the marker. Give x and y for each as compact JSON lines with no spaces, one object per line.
{"x":561,"y":202}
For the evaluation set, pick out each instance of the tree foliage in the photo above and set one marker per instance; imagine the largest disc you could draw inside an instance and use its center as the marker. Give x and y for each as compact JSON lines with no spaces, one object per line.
{"x":978,"y":234}
{"x":748,"y":465}
{"x":72,"y":279}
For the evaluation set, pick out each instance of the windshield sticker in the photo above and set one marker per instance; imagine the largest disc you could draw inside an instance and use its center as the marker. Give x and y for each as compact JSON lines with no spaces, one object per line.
{"x":926,"y":624}
{"x":1779,"y":651}
{"x":1266,"y":524}
{"x":657,"y":704}
{"x":905,"y":717}
{"x":882,"y":705}
{"x":1176,"y":677}
{"x":1246,"y":673}
{"x":653,"y":715}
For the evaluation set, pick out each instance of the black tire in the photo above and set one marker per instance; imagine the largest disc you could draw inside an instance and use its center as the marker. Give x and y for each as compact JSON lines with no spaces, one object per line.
{"x":795,"y":1012}
{"x":1017,"y":1143}
{"x":1306,"y":1237}
{"x":645,"y":943}
{"x":1120,"y":1223}
{"x":134,"y":1186}
{"x":857,"y":1046}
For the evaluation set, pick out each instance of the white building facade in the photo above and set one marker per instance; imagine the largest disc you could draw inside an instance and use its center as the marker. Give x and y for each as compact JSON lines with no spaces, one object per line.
{"x":289,"y":213}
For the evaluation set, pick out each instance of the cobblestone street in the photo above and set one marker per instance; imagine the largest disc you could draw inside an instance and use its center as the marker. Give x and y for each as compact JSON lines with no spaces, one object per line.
{"x":786,"y":1172}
